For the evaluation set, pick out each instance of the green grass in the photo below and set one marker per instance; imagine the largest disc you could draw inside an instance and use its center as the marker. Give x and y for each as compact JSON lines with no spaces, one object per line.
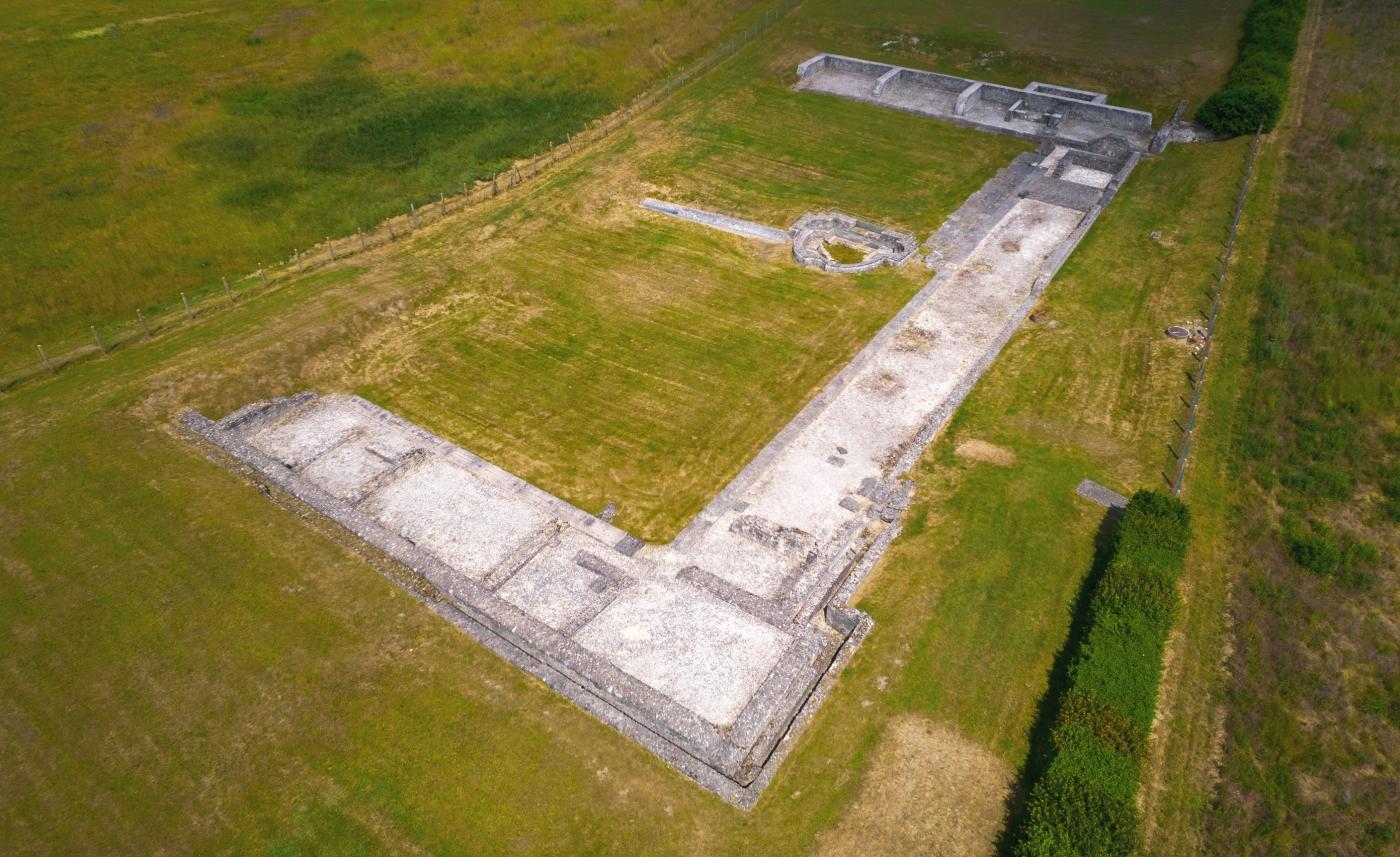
{"x":189,"y":667}
{"x":163,"y":152}
{"x":844,"y":254}
{"x":1314,"y":453}
{"x":206,"y":683}
{"x":155,"y":153}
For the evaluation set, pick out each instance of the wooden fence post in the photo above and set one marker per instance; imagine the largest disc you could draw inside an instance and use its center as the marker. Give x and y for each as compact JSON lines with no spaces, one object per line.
{"x":331,"y":246}
{"x":189,"y":312}
{"x":96,"y":337}
{"x":360,"y":234}
{"x":45,"y":358}
{"x":298,"y":255}
{"x":141,"y":318}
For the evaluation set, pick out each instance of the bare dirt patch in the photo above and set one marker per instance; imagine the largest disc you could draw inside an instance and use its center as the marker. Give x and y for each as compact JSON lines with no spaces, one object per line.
{"x":914,"y":339}
{"x":980,"y":450}
{"x":929,"y":791}
{"x":883,"y":383}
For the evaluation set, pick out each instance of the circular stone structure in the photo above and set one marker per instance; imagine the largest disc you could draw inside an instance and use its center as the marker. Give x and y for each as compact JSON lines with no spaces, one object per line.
{"x":815,"y":232}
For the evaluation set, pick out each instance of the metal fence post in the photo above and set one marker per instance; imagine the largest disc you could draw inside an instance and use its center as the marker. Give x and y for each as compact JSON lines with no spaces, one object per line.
{"x":96,"y":337}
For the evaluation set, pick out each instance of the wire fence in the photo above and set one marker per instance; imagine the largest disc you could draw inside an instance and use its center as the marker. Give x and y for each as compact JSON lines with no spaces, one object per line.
{"x":196,"y":303}
{"x":1198,"y":378}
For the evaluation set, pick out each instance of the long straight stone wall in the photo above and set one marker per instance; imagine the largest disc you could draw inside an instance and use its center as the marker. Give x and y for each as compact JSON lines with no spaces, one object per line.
{"x":712,"y":651}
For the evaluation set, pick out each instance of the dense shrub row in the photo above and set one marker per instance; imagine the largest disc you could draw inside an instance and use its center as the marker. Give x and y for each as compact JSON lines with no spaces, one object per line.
{"x":1085,"y":802}
{"x":1254,"y":92}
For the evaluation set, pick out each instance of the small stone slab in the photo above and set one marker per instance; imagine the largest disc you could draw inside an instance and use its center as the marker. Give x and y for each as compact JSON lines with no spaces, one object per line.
{"x":1106,"y":497}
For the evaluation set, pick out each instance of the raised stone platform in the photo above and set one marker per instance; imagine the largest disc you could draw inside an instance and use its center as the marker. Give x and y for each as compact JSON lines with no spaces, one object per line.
{"x":714,"y":650}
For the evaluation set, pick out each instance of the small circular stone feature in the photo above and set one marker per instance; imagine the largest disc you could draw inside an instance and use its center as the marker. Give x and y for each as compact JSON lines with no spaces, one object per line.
{"x":1176,"y":331}
{"x":837,"y":242}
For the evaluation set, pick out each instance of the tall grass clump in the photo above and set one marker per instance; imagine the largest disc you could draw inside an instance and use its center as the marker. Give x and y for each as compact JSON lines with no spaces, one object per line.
{"x":1085,"y":801}
{"x":1257,"y":86}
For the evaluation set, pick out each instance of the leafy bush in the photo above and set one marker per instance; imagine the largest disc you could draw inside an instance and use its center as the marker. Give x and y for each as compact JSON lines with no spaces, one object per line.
{"x":1315,"y":551}
{"x":1085,"y":803}
{"x":1257,"y":86}
{"x":1238,"y":110}
{"x":1320,"y":481}
{"x":1390,"y":489}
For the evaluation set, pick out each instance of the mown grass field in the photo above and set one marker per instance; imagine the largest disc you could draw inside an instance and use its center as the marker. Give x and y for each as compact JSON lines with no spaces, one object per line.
{"x":188,"y":667}
{"x":150,"y":147}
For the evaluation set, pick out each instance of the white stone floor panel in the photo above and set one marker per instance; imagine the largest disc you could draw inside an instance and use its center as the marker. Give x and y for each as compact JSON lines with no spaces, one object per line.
{"x":705,"y":654}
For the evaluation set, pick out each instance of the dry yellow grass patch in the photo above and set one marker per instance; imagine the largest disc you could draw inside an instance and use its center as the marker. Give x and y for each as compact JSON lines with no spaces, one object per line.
{"x":929,"y":791}
{"x":980,"y":450}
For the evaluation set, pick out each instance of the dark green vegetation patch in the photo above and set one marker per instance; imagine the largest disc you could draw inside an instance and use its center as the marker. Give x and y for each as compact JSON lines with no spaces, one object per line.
{"x":349,"y":121}
{"x":1254,"y":94}
{"x":1085,"y":802}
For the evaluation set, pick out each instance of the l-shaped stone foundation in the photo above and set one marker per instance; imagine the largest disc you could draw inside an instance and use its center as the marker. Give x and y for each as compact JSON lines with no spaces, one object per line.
{"x":712,"y":651}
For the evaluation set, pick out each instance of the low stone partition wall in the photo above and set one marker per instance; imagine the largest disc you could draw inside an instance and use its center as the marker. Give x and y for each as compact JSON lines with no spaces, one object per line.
{"x":1068,"y":92}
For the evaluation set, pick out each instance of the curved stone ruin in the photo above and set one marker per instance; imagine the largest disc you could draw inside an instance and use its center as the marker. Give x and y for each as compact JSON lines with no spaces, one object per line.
{"x":815,"y":233}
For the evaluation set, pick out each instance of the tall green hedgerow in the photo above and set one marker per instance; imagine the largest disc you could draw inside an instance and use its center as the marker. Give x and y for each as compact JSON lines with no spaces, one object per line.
{"x":1085,"y":802}
{"x":1255,"y":91}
